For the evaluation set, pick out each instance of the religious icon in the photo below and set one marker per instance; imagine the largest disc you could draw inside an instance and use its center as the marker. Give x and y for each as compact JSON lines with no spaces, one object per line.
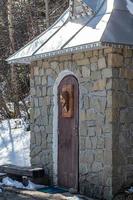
{"x":66,"y":100}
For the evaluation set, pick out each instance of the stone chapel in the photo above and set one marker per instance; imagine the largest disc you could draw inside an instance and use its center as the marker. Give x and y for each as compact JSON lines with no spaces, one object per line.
{"x":82,"y":97}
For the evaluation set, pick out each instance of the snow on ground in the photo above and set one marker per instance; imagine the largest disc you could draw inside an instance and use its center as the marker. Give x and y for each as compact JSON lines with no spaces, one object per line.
{"x":130,"y":6}
{"x":14,"y":143}
{"x":12,"y":183}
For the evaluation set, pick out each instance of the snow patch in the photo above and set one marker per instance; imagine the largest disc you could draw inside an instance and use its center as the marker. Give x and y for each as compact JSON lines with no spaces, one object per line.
{"x":130,"y":190}
{"x":0,"y":190}
{"x":14,"y":143}
{"x":130,"y":6}
{"x":74,"y":198}
{"x":13,"y":183}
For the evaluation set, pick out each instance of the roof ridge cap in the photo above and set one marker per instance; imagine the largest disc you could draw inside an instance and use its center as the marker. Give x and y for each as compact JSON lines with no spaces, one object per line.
{"x":79,"y":8}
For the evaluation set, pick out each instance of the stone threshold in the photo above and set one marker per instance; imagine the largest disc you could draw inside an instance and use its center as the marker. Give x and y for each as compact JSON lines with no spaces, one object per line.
{"x":44,"y":196}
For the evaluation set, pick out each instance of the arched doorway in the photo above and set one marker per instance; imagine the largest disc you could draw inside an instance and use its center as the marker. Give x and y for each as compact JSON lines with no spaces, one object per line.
{"x":68,"y":132}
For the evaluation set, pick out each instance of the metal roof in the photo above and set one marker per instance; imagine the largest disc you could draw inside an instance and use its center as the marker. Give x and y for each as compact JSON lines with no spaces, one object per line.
{"x":111,"y":23}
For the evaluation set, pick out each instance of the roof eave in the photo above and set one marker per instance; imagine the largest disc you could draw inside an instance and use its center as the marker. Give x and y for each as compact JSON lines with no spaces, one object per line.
{"x":76,"y":49}
{"x":71,"y":50}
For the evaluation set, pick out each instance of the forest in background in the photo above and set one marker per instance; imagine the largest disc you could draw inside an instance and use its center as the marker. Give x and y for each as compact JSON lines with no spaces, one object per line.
{"x":20,"y":22}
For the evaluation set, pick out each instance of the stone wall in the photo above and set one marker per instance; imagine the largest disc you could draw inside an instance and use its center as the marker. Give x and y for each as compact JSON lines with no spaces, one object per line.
{"x":121,"y":61}
{"x":103,"y":123}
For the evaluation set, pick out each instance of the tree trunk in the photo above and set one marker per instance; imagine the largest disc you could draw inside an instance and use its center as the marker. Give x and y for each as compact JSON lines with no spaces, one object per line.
{"x":47,"y":13}
{"x":12,"y":50}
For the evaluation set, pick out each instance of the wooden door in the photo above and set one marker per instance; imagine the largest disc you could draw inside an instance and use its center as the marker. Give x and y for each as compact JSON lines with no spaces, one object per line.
{"x":68,"y":125}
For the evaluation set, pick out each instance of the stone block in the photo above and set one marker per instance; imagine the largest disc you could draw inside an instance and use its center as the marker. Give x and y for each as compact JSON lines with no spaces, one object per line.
{"x":78,"y":56}
{"x":85,"y":71}
{"x":93,"y":66}
{"x":101,"y":53}
{"x":109,"y":83}
{"x":109,"y":99}
{"x":107,"y":128}
{"x":83,"y":131}
{"x":108,"y":193}
{"x":94,"y":59}
{"x":108,"y":50}
{"x":94,"y":142}
{"x":65,"y":57}
{"x":54,"y":65}
{"x":83,"y":62}
{"x":126,"y":73}
{"x":115,"y":60}
{"x":82,"y":141}
{"x":41,"y":101}
{"x":49,"y":91}
{"x":39,"y":91}
{"x":32,"y":82}
{"x":88,"y":143}
{"x":44,"y":91}
{"x":38,"y":138}
{"x":86,"y":158}
{"x":96,"y":75}
{"x":100,"y":143}
{"x":48,"y":71}
{"x":41,"y":71}
{"x":107,"y":73}
{"x":130,"y":86}
{"x":36,"y":102}
{"x":97,"y":166}
{"x":120,"y":84}
{"x":91,"y":123}
{"x":108,"y":143}
{"x":45,"y":64}
{"x":39,"y":63}
{"x":82,"y":115}
{"x":128,"y":53}
{"x":37,"y":80}
{"x":99,"y":155}
{"x":91,"y":131}
{"x":50,"y":81}
{"x":98,"y":103}
{"x":95,"y":53}
{"x":33,"y":91}
{"x":109,"y":115}
{"x":128,"y":62}
{"x":100,"y":118}
{"x":90,"y":114}
{"x":36,"y":71}
{"x":101,"y":63}
{"x":86,"y":102}
{"x":108,"y":157}
{"x":44,"y":80}
{"x":99,"y":85}
{"x":47,"y":100}
{"x":89,"y":54}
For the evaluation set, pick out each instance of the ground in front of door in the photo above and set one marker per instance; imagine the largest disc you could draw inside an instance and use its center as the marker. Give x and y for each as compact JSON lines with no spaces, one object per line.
{"x":12,"y":194}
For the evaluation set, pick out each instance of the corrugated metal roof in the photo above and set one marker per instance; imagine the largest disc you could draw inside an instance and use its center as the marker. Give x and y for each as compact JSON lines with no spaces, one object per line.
{"x":111,"y":23}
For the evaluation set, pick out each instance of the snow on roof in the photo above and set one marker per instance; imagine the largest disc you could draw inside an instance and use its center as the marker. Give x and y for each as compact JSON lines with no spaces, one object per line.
{"x":111,"y":23}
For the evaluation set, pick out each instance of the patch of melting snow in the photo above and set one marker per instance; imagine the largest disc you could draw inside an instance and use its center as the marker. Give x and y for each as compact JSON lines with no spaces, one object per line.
{"x":73,"y":198}
{"x":12,"y":183}
{"x":130,"y":190}
{"x":14,"y":143}
{"x":130,"y":6}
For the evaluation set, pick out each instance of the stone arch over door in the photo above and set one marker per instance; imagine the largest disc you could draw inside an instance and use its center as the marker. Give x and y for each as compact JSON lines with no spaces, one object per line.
{"x":60,"y":77}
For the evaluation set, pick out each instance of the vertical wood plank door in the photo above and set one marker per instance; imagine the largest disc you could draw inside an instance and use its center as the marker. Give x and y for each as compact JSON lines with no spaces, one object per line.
{"x":68,"y":132}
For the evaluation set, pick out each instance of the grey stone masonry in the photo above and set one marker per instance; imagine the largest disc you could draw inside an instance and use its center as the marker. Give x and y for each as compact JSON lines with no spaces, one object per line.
{"x":106,"y":117}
